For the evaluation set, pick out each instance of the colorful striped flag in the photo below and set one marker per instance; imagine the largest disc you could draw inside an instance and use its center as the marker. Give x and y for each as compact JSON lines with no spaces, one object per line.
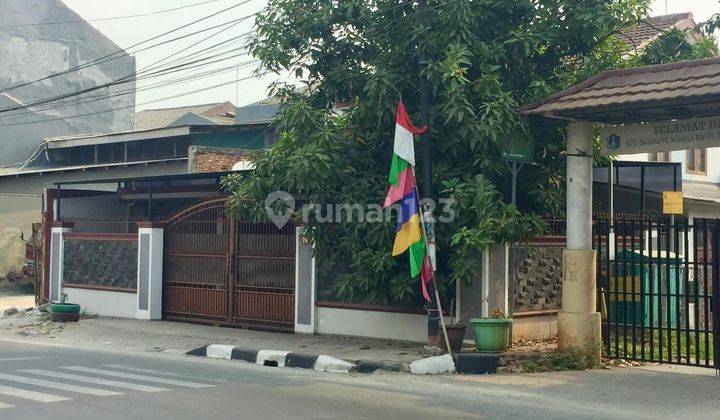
{"x":403,"y":187}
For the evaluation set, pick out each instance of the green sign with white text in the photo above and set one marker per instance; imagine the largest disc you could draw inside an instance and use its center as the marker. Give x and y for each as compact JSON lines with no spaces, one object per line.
{"x":519,"y":148}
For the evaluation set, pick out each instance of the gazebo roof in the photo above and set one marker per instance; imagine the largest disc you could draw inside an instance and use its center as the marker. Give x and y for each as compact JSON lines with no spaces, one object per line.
{"x":687,"y":89}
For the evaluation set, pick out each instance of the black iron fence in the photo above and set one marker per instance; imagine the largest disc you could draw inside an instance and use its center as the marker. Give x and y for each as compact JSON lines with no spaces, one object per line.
{"x":658,"y":283}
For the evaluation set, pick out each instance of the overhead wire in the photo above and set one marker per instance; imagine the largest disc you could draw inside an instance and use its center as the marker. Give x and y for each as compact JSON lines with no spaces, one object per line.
{"x":125,"y":51}
{"x":254,"y":76}
{"x":157,"y":12}
{"x":211,"y":87}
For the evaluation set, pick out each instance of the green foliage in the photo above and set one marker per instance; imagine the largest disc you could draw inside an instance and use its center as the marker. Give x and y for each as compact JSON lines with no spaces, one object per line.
{"x":483,"y":59}
{"x":676,"y":45}
{"x":571,"y":359}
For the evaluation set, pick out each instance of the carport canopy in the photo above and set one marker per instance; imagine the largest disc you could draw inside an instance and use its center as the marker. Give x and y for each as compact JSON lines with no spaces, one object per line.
{"x":665,"y":92}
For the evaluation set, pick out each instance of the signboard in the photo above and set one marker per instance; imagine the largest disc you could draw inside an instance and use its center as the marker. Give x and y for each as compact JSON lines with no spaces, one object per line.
{"x":665,"y":136}
{"x":519,"y":147}
{"x":673,"y":202}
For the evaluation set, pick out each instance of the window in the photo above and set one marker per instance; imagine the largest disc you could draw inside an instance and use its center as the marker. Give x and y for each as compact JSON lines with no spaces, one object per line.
{"x":134,"y":150}
{"x":659,"y":157}
{"x":82,"y":155}
{"x":165,"y":148}
{"x":696,"y":161}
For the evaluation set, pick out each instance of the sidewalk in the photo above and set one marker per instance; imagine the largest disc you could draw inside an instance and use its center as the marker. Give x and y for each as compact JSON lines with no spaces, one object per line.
{"x":157,"y":336}
{"x":17,"y":300}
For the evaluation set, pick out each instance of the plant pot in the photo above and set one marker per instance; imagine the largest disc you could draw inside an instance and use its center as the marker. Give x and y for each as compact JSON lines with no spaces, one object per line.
{"x":64,"y":312}
{"x":64,"y":317}
{"x":456,"y":334}
{"x":64,"y":308}
{"x":491,"y":335}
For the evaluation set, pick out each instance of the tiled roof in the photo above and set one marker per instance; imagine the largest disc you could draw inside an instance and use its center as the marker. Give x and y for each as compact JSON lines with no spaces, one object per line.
{"x":686,"y":89}
{"x":157,"y":118}
{"x":647,"y":30}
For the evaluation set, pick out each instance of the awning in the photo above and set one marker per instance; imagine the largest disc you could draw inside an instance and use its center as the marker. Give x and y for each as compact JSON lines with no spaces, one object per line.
{"x":687,"y":89}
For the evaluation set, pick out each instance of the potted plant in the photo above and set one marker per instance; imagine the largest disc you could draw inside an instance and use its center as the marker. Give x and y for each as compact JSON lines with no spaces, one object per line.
{"x":492,"y":334}
{"x":455,"y":333}
{"x":63,"y":311}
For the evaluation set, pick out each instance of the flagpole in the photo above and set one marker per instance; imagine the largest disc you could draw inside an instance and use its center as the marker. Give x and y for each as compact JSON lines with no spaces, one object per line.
{"x":432,"y":271}
{"x":426,"y":156}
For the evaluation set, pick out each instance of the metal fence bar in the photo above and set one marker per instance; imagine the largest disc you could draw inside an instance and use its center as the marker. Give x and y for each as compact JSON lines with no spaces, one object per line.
{"x":686,"y":292}
{"x":642,"y":289}
{"x":696,"y":284}
{"x":706,"y":306}
{"x":635,"y":275}
{"x":716,"y":292}
{"x":651,"y":275}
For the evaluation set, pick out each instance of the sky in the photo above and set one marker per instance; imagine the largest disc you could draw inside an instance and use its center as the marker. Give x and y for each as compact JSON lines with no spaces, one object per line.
{"x":128,"y":32}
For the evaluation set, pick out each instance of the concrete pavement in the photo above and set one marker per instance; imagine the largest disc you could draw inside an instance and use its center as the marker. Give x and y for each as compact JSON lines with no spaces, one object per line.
{"x":90,"y":384}
{"x":155,"y":336}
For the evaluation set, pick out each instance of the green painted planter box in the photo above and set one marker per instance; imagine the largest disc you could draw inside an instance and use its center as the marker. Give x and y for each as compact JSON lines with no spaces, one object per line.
{"x":491,"y":335}
{"x":64,"y":308}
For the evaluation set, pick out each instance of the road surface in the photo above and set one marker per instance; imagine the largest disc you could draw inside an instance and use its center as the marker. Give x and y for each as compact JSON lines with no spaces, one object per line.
{"x":53,"y":382}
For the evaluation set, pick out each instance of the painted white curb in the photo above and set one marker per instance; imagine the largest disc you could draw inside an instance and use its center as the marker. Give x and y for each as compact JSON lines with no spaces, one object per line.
{"x":277,"y":356}
{"x":326,"y":363}
{"x":433,"y":365}
{"x":220,"y":351}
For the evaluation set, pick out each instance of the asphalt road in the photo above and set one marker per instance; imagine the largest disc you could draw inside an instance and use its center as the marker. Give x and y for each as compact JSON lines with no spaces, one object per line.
{"x":53,"y":382}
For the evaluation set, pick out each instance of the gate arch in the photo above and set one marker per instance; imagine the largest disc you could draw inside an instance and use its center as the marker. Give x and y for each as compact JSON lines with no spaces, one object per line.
{"x":220,"y":270}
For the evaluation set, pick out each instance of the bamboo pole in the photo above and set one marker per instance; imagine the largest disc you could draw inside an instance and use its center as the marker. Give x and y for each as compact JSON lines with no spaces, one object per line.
{"x":427,"y":251}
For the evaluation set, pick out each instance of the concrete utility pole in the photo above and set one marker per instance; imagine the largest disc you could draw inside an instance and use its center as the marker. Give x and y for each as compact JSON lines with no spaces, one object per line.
{"x":579,"y":321}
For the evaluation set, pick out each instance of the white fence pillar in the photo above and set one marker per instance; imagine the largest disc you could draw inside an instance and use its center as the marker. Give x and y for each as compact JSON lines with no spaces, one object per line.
{"x":304,"y":284}
{"x":150,"y":270}
{"x":57,"y":251}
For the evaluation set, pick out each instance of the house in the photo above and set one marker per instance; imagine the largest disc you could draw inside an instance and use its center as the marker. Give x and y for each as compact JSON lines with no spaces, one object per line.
{"x":640,"y":35}
{"x":221,"y":113}
{"x":172,"y":150}
{"x":699,"y":181}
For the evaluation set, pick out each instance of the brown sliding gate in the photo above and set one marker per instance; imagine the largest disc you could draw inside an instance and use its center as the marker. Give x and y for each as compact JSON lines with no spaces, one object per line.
{"x":220,"y":270}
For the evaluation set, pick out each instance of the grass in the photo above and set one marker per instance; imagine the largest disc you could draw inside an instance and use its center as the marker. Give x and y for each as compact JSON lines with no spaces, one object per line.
{"x":572,"y":359}
{"x":665,"y":350}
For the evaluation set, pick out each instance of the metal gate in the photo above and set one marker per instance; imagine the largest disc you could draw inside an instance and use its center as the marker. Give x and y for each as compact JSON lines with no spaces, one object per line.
{"x":658,"y":283}
{"x":220,"y":270}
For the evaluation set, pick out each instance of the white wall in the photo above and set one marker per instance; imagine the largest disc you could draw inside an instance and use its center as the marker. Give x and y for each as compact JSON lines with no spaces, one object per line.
{"x":103,"y":303}
{"x":410,"y":327}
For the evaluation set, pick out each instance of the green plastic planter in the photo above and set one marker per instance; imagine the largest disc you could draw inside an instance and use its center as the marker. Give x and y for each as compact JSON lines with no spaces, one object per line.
{"x":491,"y":335}
{"x":65,"y":308}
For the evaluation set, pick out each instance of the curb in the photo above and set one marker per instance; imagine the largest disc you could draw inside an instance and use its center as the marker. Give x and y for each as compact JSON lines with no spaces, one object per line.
{"x":281,"y":358}
{"x":467,"y":363}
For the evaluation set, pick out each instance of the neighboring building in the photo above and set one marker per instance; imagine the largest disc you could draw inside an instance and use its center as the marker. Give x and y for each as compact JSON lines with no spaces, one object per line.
{"x":31,"y":51}
{"x":700,"y":181}
{"x":221,"y":113}
{"x":645,"y":32}
{"x":173,"y":150}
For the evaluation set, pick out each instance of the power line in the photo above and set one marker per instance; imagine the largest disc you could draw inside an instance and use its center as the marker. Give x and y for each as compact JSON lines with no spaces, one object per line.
{"x":157,"y":85}
{"x":113,"y":83}
{"x":145,"y":73}
{"x":144,"y":103}
{"x":133,"y":77}
{"x":22,"y":25}
{"x":122,"y":51}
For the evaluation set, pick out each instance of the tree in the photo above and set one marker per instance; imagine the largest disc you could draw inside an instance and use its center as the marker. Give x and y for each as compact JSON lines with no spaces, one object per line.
{"x":485,"y":58}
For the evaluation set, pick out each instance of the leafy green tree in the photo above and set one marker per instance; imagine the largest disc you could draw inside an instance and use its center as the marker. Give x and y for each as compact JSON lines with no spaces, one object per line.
{"x":484,"y":59}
